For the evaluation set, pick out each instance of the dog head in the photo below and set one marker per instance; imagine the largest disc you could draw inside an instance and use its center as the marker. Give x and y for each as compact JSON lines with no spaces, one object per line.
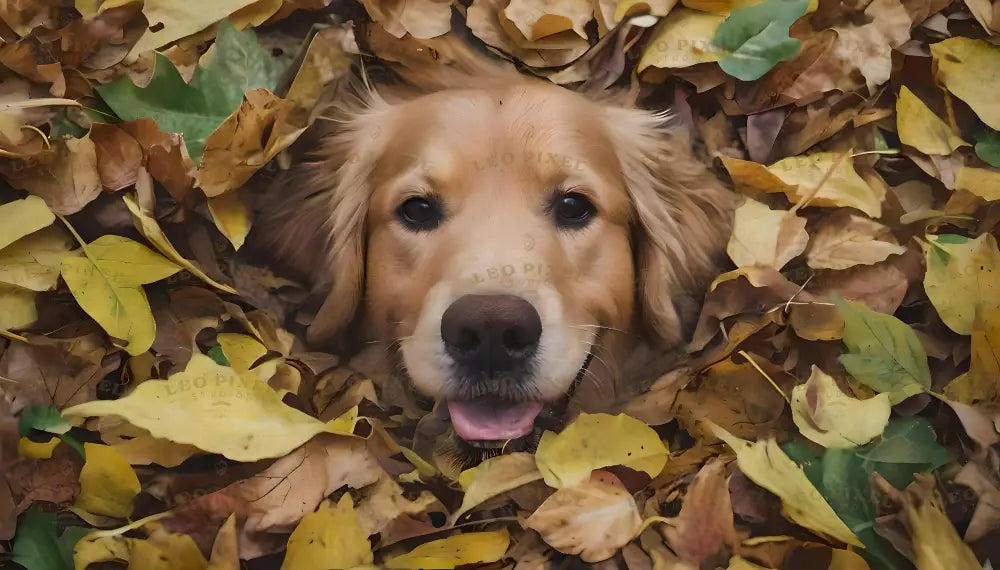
{"x":497,"y":229}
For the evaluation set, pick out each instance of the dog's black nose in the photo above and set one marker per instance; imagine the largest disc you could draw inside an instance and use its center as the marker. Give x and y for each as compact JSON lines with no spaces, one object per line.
{"x":491,"y":334}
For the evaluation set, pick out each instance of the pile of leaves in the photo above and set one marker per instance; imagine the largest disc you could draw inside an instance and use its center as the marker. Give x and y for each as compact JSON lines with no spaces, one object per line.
{"x":160,"y":409}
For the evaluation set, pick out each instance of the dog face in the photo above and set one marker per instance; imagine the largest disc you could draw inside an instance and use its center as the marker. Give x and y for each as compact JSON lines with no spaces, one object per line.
{"x":495,"y":233}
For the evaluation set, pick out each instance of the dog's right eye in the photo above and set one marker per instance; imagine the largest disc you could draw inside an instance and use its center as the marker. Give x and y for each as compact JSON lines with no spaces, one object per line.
{"x":419,"y":214}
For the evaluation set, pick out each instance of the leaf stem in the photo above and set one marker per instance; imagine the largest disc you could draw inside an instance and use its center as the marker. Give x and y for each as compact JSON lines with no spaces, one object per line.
{"x":753,"y":363}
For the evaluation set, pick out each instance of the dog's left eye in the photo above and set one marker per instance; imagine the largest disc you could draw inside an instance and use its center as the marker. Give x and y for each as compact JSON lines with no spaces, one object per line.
{"x":419,"y":213}
{"x":573,"y":210}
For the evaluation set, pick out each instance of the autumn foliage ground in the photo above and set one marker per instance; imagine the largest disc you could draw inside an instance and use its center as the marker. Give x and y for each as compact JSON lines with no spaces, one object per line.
{"x":160,"y":411}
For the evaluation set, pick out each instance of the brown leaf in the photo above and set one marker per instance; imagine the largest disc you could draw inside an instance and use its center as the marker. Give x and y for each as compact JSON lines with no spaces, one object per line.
{"x":119,"y":156}
{"x":65,"y":177}
{"x":705,"y":523}
{"x":60,"y":372}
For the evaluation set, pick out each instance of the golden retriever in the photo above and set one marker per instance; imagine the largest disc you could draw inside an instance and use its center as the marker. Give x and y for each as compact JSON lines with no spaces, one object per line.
{"x":505,"y":236}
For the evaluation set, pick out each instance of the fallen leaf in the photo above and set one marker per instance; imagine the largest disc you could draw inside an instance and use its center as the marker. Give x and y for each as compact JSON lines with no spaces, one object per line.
{"x":420,"y":18}
{"x":986,"y":517}
{"x":768,"y":466}
{"x":232,"y":216}
{"x":33,"y":262}
{"x":705,"y":523}
{"x":755,"y":37}
{"x":224,"y":554}
{"x":451,"y":552}
{"x":833,"y":419}
{"x":765,"y":237}
{"x":214,"y":408}
{"x":957,"y":63}
{"x":170,"y":20}
{"x":38,"y":546}
{"x":493,"y":477}
{"x":23,"y":217}
{"x":195,"y":110}
{"x":65,"y":177}
{"x":108,"y":484}
{"x":885,"y":353}
{"x":17,"y":308}
{"x":682,"y":39}
{"x":837,"y":182}
{"x":119,"y":156}
{"x":920,"y":128}
{"x":849,"y":240}
{"x":151,"y":230}
{"x":982,"y":182}
{"x":593,"y":441}
{"x":161,"y":551}
{"x":963,"y":276}
{"x":568,"y":520}
{"x":328,"y":538}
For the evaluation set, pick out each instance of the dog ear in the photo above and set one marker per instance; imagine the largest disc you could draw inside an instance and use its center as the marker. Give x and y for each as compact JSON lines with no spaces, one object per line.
{"x":682,"y":216}
{"x":311,"y":220}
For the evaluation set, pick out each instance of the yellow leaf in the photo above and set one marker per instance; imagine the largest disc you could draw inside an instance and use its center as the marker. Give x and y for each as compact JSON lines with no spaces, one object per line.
{"x":963,"y":276}
{"x":33,"y":261}
{"x":35,"y":450}
{"x":983,"y":182}
{"x":175,"y":19}
{"x":768,"y":466}
{"x":537,"y":20}
{"x":936,"y":544}
{"x":161,"y":551}
{"x":22,"y":217}
{"x":628,"y":8}
{"x":752,"y":178}
{"x":765,"y":237}
{"x":137,"y":447}
{"x":833,"y":419}
{"x":108,"y":484}
{"x":107,"y":283}
{"x":920,"y":128}
{"x":843,"y":187}
{"x":225,"y":555}
{"x":232,"y":216}
{"x":329,"y":538}
{"x":593,"y":441}
{"x":962,"y":65}
{"x":241,"y":350}
{"x":215,"y":409}
{"x":984,"y":370}
{"x":682,"y":39}
{"x":17,"y":307}
{"x":150,"y":229}
{"x":494,"y":476}
{"x":457,"y":549}
{"x":592,"y":519}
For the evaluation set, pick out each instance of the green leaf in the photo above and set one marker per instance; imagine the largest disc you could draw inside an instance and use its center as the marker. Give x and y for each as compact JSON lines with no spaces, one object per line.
{"x":216,"y":354}
{"x":239,"y":64}
{"x":36,"y":545}
{"x":988,"y":146}
{"x":42,"y":418}
{"x":842,"y":477}
{"x":756,"y":37}
{"x":885,"y":353}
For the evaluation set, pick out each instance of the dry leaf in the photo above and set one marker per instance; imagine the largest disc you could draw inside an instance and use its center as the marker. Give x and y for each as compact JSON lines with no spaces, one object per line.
{"x":765,"y":237}
{"x":849,"y":240}
{"x":567,"y":520}
{"x":833,"y":419}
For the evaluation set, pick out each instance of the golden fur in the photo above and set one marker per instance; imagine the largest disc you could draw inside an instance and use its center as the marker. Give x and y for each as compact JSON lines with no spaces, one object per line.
{"x":493,"y":144}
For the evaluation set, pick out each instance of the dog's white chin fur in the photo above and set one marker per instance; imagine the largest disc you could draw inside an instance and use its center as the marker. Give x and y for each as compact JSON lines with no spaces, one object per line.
{"x":562,"y":348}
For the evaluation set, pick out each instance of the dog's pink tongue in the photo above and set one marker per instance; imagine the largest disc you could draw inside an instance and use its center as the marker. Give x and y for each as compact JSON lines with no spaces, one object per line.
{"x":493,"y":420}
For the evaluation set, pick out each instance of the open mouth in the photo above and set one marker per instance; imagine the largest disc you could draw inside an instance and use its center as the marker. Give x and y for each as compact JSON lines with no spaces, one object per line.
{"x":491,"y":419}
